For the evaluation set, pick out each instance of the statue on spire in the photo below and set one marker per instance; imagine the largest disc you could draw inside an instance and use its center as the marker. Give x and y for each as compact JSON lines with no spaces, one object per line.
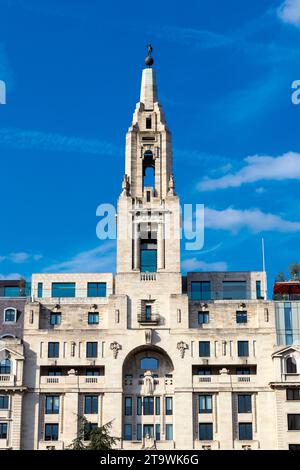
{"x":149,"y":59}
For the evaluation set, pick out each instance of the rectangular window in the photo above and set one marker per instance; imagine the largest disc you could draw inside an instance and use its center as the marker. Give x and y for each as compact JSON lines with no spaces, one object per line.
{"x":55,"y":319}
{"x":53,"y":349}
{"x":91,"y":404}
{"x":52,"y":405}
{"x":63,"y":289}
{"x":10,"y":315}
{"x":293,"y":394}
{"x":54,"y":373}
{"x":4,"y":402}
{"x":245,"y":432}
{"x":93,"y":318}
{"x":157,"y":432}
{"x":169,"y":432}
{"x":205,"y":431}
{"x":96,"y":289}
{"x":157,"y":406}
{"x":88,"y":428}
{"x":204,"y":371}
{"x":11,"y":291}
{"x":241,"y":317}
{"x":243,"y":371}
{"x":128,"y":406}
{"x":128,"y":432}
{"x":169,"y":406}
{"x":92,"y":349}
{"x":139,"y":432}
{"x":294,"y":422}
{"x":288,"y":323}
{"x":203,"y":318}
{"x":3,"y":430}
{"x":234,"y":290}
{"x":148,"y":310}
{"x":139,"y":406}
{"x":244,"y":404}
{"x":243,"y":348}
{"x":51,"y":432}
{"x":148,"y":260}
{"x":200,"y":290}
{"x":94,"y":372}
{"x":205,"y":403}
{"x":148,"y":123}
{"x":40,"y":290}
{"x":204,"y":348}
{"x":148,"y":406}
{"x":258,"y":290}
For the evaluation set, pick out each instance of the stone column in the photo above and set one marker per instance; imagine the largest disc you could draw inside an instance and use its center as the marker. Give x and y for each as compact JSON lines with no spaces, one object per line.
{"x":160,"y":246}
{"x":136,"y":244}
{"x":225,"y":420}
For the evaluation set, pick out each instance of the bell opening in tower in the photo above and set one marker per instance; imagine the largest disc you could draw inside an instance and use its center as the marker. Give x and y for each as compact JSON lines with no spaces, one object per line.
{"x":148,"y":170}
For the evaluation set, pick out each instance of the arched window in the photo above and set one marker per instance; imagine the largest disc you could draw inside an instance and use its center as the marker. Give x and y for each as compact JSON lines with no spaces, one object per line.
{"x":291,"y":365}
{"x":148,"y":170}
{"x":149,"y":363}
{"x":5,"y":366}
{"x":10,"y":315}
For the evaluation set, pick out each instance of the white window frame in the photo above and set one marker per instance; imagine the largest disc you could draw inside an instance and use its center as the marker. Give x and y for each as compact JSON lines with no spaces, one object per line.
{"x":5,"y":310}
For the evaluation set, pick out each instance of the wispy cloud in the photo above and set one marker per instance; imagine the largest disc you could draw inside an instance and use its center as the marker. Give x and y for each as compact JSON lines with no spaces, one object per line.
{"x":289,"y":12}
{"x":254,"y":220}
{"x":20,"y":257}
{"x":11,"y":276}
{"x":98,"y":259}
{"x":193,"y":264}
{"x":27,"y":140}
{"x":257,"y":168}
{"x":198,"y":38}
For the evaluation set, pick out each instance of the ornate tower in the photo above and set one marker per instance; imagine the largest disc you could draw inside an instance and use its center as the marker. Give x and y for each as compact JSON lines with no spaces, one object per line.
{"x":148,"y":208}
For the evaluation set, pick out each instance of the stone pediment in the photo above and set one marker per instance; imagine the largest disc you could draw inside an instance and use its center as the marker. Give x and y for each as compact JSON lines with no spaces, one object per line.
{"x":286,"y":351}
{"x":7,"y":352}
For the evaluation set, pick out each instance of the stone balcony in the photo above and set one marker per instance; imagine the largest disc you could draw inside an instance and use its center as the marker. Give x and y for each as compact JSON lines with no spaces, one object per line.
{"x":80,"y":382}
{"x":8,"y":381}
{"x":223,"y":380}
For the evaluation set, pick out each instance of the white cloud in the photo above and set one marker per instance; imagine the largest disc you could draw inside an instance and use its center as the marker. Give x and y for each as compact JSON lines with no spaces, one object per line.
{"x":289,"y":12}
{"x":257,"y":168}
{"x":99,"y":259}
{"x":10,"y":277}
{"x":193,"y":264}
{"x":252,"y":219}
{"x":198,"y":38}
{"x":20,"y":257}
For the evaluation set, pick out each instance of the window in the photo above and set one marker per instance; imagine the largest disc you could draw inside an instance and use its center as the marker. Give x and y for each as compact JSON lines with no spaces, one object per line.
{"x":148,"y":196}
{"x":244,"y":404}
{"x":258,"y":290}
{"x":63,"y":289}
{"x":54,"y":373}
{"x":51,"y":432}
{"x":205,"y":431}
{"x":169,"y":432}
{"x":288,"y":323}
{"x":234,"y":290}
{"x":53,"y":349}
{"x":169,"y":406}
{"x":91,"y":404}
{"x":204,"y":348}
{"x":148,"y":123}
{"x":55,"y":319}
{"x":149,"y":256}
{"x":203,"y":318}
{"x":148,"y":310}
{"x":93,"y":318}
{"x":200,"y":290}
{"x":294,"y":446}
{"x":243,"y":348}
{"x":128,"y":406}
{"x":139,"y":432}
{"x":293,"y":394}
{"x":93,"y":372}
{"x":291,"y":365}
{"x":148,"y":406}
{"x":149,"y":363}
{"x":91,"y":349}
{"x":5,"y":366}
{"x":157,"y":406}
{"x":10,"y":315}
{"x":243,"y":371}
{"x":241,"y":317}
{"x":52,"y":404}
{"x":157,"y":432}
{"x":3,"y":430}
{"x":245,"y":432}
{"x":204,"y":371}
{"x":205,"y":403}
{"x":127,"y":432}
{"x":11,"y":291}
{"x":88,"y":428}
{"x":4,"y":402}
{"x":96,"y":289}
{"x":294,"y":422}
{"x":40,"y":290}
{"x":139,"y":406}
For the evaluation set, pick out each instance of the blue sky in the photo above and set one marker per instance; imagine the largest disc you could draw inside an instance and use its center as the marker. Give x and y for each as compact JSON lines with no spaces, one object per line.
{"x":73,"y":69}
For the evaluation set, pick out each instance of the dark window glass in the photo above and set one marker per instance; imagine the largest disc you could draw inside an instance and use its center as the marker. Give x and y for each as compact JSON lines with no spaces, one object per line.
{"x":293,"y":394}
{"x":51,"y":432}
{"x":10,"y":315}
{"x":55,"y":319}
{"x":52,"y":404}
{"x":203,"y":318}
{"x":11,"y":292}
{"x":63,"y":289}
{"x":169,"y":405}
{"x":241,"y":317}
{"x":157,"y":432}
{"x":148,"y":123}
{"x":53,"y":349}
{"x":200,"y":290}
{"x":148,"y":310}
{"x":258,"y":290}
{"x":157,"y":405}
{"x":294,"y":422}
{"x":288,"y":323}
{"x":88,"y":428}
{"x":93,"y":318}
{"x":205,"y":403}
{"x":243,"y":371}
{"x":5,"y":366}
{"x":291,"y":365}
{"x":294,"y":446}
{"x":169,"y":432}
{"x":243,"y":348}
{"x":138,"y":432}
{"x":3,"y":430}
{"x":148,"y":260}
{"x":205,"y":431}
{"x":40,"y":290}
{"x":204,"y":371}
{"x":234,"y":290}
{"x":93,"y":372}
{"x":128,"y":406}
{"x":3,"y":402}
{"x":148,"y":196}
{"x":139,"y":406}
{"x":96,"y":289}
{"x":54,"y":373}
{"x":244,"y":404}
{"x":149,"y":363}
{"x":204,"y":348}
{"x":148,"y":430}
{"x":127,"y":432}
{"x":148,"y":406}
{"x":91,"y":349}
{"x":91,"y":404}
{"x":245,"y":432}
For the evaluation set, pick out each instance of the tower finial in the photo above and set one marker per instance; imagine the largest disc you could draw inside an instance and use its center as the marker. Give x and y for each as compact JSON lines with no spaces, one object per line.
{"x":149,"y":59}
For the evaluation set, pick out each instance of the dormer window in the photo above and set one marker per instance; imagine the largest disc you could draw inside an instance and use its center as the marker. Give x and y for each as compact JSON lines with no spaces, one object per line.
{"x":10,"y":315}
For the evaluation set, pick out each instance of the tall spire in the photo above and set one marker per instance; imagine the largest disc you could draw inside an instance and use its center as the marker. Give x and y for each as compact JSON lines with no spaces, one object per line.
{"x":148,"y":87}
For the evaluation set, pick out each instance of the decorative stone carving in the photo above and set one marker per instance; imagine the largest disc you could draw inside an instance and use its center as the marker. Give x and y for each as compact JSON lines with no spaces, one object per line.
{"x":115,"y":347}
{"x":171,"y":188}
{"x":224,"y":371}
{"x":126,"y":186}
{"x":148,"y":383}
{"x":148,"y":336}
{"x":182,"y":346}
